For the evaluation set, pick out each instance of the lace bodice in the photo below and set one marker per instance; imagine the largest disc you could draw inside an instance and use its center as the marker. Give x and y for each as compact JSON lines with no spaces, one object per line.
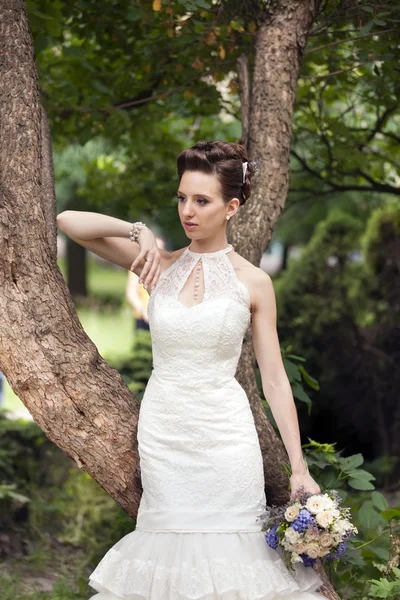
{"x":205,"y":339}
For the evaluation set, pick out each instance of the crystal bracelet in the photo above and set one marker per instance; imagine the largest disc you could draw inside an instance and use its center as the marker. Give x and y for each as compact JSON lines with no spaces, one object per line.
{"x":134,"y":232}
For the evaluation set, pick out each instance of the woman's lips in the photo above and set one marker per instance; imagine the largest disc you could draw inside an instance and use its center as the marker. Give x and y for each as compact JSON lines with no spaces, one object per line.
{"x":189,"y":226}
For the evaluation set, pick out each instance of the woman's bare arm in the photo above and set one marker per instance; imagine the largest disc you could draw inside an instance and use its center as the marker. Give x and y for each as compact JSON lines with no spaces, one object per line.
{"x":275,"y":383}
{"x":108,"y":237}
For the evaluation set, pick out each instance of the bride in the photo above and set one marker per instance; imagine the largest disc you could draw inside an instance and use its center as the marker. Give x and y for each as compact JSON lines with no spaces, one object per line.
{"x":196,"y":535}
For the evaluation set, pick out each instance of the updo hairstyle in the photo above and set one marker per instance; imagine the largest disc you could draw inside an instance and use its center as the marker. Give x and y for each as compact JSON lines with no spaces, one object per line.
{"x":226,"y":160}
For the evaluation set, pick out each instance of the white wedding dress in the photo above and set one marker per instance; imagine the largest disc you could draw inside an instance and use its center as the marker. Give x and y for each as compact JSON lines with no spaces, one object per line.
{"x":196,"y":535}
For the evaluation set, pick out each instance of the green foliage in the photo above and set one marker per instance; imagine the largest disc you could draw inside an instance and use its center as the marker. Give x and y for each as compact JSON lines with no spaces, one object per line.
{"x":315,"y":290}
{"x":380,"y":245}
{"x":63,"y":590}
{"x":136,"y":368}
{"x":340,"y":311}
{"x":383,"y":588}
{"x":22,"y":446}
{"x":298,"y":378}
{"x":68,"y":514}
{"x":146,"y":77}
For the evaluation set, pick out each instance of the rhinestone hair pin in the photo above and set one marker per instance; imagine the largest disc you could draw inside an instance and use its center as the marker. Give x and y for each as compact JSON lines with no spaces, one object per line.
{"x":244,"y":166}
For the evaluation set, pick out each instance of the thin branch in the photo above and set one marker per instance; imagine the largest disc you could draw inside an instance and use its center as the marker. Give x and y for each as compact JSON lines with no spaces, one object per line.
{"x":384,"y":157}
{"x":380,"y":121}
{"x":351,"y":39}
{"x":306,"y":166}
{"x":338,"y":72}
{"x":131,"y":103}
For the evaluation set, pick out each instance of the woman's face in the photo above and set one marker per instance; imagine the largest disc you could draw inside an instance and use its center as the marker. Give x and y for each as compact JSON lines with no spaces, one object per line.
{"x":200,"y":203}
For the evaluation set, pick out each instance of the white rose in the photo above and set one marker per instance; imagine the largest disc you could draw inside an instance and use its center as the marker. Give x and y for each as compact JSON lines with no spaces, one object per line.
{"x":310,"y":535}
{"x":292,"y":536}
{"x":314,"y":504}
{"x":300,"y":547}
{"x":324,"y":518}
{"x":292,"y":512}
{"x":327,"y":502}
{"x":312,"y":549}
{"x":326,"y":540}
{"x":341,"y":526}
{"x":323,"y":552}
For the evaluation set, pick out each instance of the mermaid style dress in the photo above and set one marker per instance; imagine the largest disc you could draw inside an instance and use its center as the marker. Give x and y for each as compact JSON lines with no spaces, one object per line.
{"x":196,"y":535}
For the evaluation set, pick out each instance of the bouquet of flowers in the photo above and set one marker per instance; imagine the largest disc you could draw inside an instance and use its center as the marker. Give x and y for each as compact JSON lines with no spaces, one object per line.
{"x":310,"y":527}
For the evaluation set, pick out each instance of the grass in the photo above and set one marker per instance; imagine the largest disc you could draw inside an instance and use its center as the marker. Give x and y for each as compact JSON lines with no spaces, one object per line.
{"x":111,"y":330}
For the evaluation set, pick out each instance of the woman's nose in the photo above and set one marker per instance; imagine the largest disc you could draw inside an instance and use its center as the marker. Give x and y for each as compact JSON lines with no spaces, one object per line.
{"x":187,"y":209}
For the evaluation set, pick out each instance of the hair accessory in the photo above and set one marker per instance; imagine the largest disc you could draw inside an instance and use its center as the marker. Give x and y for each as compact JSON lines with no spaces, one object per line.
{"x":244,"y":166}
{"x":134,"y":232}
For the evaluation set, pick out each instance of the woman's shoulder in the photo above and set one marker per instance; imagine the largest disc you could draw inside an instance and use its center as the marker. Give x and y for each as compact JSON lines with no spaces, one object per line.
{"x":253,"y":274}
{"x":253,"y":277}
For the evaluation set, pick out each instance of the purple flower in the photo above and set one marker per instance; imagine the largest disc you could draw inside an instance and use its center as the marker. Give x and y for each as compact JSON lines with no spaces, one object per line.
{"x":303,"y":521}
{"x":272,"y":538}
{"x":338,"y":551}
{"x":308,"y":562}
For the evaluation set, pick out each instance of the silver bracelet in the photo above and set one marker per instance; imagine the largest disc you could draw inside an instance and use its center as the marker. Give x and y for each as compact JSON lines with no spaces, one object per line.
{"x":134,"y":232}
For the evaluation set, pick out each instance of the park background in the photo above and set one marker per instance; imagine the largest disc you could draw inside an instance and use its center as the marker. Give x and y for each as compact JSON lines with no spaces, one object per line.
{"x":334,"y":255}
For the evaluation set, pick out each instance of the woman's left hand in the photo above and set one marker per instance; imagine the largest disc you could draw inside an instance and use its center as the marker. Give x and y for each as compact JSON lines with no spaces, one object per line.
{"x":305,"y":481}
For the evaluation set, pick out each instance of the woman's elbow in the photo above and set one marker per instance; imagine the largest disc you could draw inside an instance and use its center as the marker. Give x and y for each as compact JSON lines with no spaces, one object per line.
{"x":62,"y":219}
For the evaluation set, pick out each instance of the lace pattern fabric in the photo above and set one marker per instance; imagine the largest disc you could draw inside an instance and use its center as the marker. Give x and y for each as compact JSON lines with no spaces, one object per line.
{"x":196,"y":535}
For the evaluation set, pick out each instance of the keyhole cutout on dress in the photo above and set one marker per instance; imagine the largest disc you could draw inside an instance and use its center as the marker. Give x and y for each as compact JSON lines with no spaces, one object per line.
{"x":192,"y":291}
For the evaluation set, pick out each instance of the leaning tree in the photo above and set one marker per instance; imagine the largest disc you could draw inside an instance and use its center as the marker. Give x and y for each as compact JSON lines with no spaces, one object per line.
{"x":75,"y":397}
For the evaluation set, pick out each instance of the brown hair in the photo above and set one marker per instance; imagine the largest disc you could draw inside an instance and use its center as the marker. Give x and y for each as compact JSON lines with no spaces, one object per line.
{"x":225,"y":159}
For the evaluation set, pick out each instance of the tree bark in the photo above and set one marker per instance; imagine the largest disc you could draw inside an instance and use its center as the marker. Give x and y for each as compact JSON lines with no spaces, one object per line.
{"x":280,"y":42}
{"x":81,"y":403}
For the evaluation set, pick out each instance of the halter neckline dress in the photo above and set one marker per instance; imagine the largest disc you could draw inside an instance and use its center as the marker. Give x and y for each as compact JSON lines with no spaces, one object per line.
{"x":196,"y":535}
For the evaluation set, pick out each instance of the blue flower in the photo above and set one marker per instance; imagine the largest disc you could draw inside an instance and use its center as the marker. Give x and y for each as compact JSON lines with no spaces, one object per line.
{"x":272,"y":538}
{"x":308,"y":562}
{"x":303,"y":521}
{"x":338,"y":551}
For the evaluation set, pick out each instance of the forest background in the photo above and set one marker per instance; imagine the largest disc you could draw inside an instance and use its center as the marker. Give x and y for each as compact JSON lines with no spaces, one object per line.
{"x":126,"y":86}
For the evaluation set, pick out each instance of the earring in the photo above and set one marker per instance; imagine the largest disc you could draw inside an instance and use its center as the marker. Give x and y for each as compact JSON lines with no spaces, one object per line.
{"x":228,"y":217}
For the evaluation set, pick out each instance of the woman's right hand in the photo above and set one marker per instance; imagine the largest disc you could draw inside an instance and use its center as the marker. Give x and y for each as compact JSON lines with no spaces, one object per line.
{"x":150,"y":253}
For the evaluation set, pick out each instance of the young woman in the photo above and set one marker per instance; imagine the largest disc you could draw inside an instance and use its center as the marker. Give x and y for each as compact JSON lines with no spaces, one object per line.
{"x":196,"y":535}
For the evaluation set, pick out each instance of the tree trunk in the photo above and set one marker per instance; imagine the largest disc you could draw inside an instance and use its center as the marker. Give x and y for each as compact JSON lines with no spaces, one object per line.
{"x":73,"y":395}
{"x":81,"y":404}
{"x":76,"y":268}
{"x":285,"y":257}
{"x":267,"y":112}
{"x":278,"y":47}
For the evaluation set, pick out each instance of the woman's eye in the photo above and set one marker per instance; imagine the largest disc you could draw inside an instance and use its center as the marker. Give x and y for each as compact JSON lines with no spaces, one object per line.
{"x":201,"y":201}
